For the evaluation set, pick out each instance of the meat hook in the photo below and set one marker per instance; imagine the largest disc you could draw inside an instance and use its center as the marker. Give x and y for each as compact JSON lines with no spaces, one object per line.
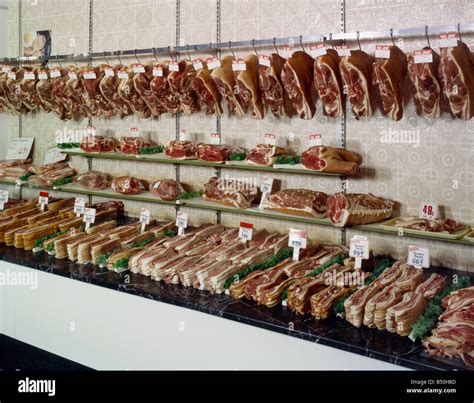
{"x":274,"y":45}
{"x":459,"y":30}
{"x":391,"y":36}
{"x":73,"y":57}
{"x":118,"y":57}
{"x":330,"y":40}
{"x":358,"y":39}
{"x":253,"y":46}
{"x":187,"y":51}
{"x":58,"y":62}
{"x":136,"y":57}
{"x":426,"y":34}
{"x":154,"y":54}
{"x":301,"y":43}
{"x":106,"y":61}
{"x":169,"y":52}
{"x":231,"y":51}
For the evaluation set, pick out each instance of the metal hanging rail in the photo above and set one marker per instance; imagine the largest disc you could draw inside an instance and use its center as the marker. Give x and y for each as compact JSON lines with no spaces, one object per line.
{"x":348,"y":36}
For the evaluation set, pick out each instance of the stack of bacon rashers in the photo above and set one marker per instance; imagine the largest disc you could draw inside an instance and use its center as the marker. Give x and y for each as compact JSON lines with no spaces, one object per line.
{"x":49,"y":175}
{"x":12,"y":170}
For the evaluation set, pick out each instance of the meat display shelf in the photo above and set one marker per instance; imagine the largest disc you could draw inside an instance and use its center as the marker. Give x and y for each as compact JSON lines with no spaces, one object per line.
{"x":163,"y":159}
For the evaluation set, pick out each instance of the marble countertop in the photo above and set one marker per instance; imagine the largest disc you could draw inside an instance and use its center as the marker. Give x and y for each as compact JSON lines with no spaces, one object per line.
{"x":333,"y":332}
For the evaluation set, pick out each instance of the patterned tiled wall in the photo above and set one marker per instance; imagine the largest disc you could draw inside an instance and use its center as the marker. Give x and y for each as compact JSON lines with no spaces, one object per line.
{"x":407,"y":173}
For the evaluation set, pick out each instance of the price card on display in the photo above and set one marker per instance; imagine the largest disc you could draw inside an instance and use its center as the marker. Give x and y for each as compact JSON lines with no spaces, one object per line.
{"x":418,"y":256}
{"x":263,"y":60}
{"x":315,"y":139}
{"x":173,"y":66}
{"x":135,"y":132}
{"x":89,"y":217}
{"x":181,"y":222}
{"x":215,"y":138}
{"x":43,"y":200}
{"x":29,"y":75}
{"x":157,"y":71}
{"x":382,"y":51}
{"x":5,"y":68}
{"x":11,"y":75}
{"x":184,"y":136}
{"x":138,"y":68}
{"x":297,"y":240}
{"x":72,"y":75}
{"x":287,"y":51}
{"x":213,"y":63}
{"x":429,"y":210}
{"x":266,"y":189}
{"x":3,"y":198}
{"x":79,"y":206}
{"x":198,"y":64}
{"x":270,"y":139}
{"x":89,"y":75}
{"x":245,"y":231}
{"x":342,"y":50}
{"x":144,"y":218}
{"x":54,"y":154}
{"x":122,"y":74}
{"x":317,"y":50}
{"x":448,"y":40}
{"x":423,"y":56}
{"x":109,"y":72}
{"x":55,"y":73}
{"x":20,"y":148}
{"x":239,"y":65}
{"x":359,"y":249}
{"x":91,"y":130}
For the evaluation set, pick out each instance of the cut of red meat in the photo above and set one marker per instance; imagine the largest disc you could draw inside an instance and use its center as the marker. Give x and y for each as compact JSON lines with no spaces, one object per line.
{"x":331,"y":159}
{"x":166,"y":189}
{"x":215,"y":152}
{"x":127,"y":185}
{"x":97,"y":144}
{"x":298,"y":202}
{"x":181,"y":150}
{"x":264,"y":154}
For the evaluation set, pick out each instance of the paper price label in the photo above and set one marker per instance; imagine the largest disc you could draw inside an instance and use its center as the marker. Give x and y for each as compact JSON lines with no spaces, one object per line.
{"x":239,"y":65}
{"x":20,"y":148}
{"x":184,"y":136}
{"x":198,"y":64}
{"x":135,"y":132}
{"x":423,"y":56}
{"x":43,"y":198}
{"x":213,"y":63}
{"x":157,"y":71}
{"x":449,"y":40}
{"x":89,"y":75}
{"x":29,"y":75}
{"x":267,"y":185}
{"x":79,"y":206}
{"x":181,"y":220}
{"x":359,"y":248}
{"x":382,"y":51}
{"x":215,"y":138}
{"x":91,"y":130}
{"x":11,"y":75}
{"x":5,"y":69}
{"x":317,"y":50}
{"x":297,"y":239}
{"x":342,"y":50}
{"x":315,"y":139}
{"x":245,"y":231}
{"x":89,"y":215}
{"x":3,"y":198}
{"x":287,"y":51}
{"x":138,"y":68}
{"x":122,"y":74}
{"x":418,"y":256}
{"x":264,"y":60}
{"x":429,"y":210}
{"x":42,"y":75}
{"x":54,"y":154}
{"x":145,"y":216}
{"x":270,"y":139}
{"x":72,"y":75}
{"x":173,"y":66}
{"x":54,"y":73}
{"x":109,"y":72}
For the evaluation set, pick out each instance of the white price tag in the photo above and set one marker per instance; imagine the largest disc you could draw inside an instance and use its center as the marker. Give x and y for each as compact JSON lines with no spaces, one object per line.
{"x":55,"y":73}
{"x":297,"y":240}
{"x":317,"y":50}
{"x":11,"y":75}
{"x":315,"y":139}
{"x":245,"y":231}
{"x":213,"y":63}
{"x":267,"y":185}
{"x":382,"y":51}
{"x":89,"y":217}
{"x":122,"y":74}
{"x":42,"y":75}
{"x":181,"y":222}
{"x":79,"y":206}
{"x":43,"y":199}
{"x":448,"y":40}
{"x":359,"y":249}
{"x":239,"y":65}
{"x":423,"y":56}
{"x":287,"y":51}
{"x":72,"y":75}
{"x":54,"y":154}
{"x":418,"y":256}
{"x":157,"y":71}
{"x":3,"y":198}
{"x":263,"y":60}
{"x":215,"y":138}
{"x":29,"y":75}
{"x":135,"y":132}
{"x":173,"y":66}
{"x":429,"y":210}
{"x":198,"y":64}
{"x":5,"y":68}
{"x":138,"y":68}
{"x":89,"y":75}
{"x":109,"y":72}
{"x":91,"y":130}
{"x":270,"y":139}
{"x":343,"y":50}
{"x":20,"y":148}
{"x":184,"y":136}
{"x":145,"y":216}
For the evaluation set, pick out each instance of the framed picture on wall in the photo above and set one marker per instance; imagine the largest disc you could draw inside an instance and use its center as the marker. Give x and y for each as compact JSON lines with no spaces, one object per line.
{"x":37,"y":44}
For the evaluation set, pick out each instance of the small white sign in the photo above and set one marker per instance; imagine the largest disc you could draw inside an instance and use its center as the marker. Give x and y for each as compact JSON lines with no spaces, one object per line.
{"x":53,"y":154}
{"x":135,"y":132}
{"x":359,"y":249}
{"x":54,"y":73}
{"x":429,"y":210}
{"x":315,"y":139}
{"x":109,"y":72}
{"x":215,"y":138}
{"x":418,"y":256}
{"x":198,"y":64}
{"x":181,"y":222}
{"x":343,"y":50}
{"x":43,"y":200}
{"x":297,"y":240}
{"x":91,"y":130}
{"x":89,"y":217}
{"x":3,"y":198}
{"x":145,"y":216}
{"x":42,"y":75}
{"x":157,"y":71}
{"x":173,"y":66}
{"x":267,"y":185}
{"x":11,"y":75}
{"x":122,"y":74}
{"x":239,"y":65}
{"x":5,"y":68}
{"x":29,"y":75}
{"x":448,"y":40}
{"x":184,"y":136}
{"x":382,"y":51}
{"x":287,"y":51}
{"x":20,"y":148}
{"x":79,"y":206}
{"x":72,"y":75}
{"x":89,"y":75}
{"x":423,"y":56}
{"x":213,"y":63}
{"x":245,"y":231}
{"x":317,"y":50}
{"x":270,"y":139}
{"x":264,"y":60}
{"x":138,"y":68}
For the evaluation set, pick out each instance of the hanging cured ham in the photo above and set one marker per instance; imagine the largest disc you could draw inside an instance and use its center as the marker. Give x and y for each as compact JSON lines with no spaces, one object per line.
{"x":161,"y":88}
{"x":356,"y":73}
{"x":456,"y":72}
{"x":389,"y":76}
{"x":127,"y":92}
{"x":181,"y":83}
{"x":108,"y":87}
{"x":297,"y":77}
{"x":207,"y":91}
{"x":248,"y":89}
{"x":424,"y":77}
{"x":142,"y":84}
{"x":328,"y":83}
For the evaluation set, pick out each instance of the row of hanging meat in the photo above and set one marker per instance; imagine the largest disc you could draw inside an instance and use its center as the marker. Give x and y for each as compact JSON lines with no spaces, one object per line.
{"x":285,"y":87}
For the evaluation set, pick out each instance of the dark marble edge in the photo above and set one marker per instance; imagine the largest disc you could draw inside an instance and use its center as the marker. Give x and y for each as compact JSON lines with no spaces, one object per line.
{"x":333,"y":332}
